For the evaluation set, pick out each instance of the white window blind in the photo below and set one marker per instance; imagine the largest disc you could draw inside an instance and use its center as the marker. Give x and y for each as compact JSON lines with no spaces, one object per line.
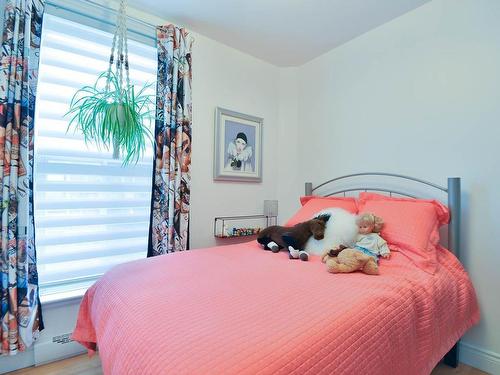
{"x":90,"y":212}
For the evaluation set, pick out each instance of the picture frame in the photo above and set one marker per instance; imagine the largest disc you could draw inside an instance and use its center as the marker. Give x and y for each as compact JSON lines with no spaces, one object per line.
{"x":237,"y":146}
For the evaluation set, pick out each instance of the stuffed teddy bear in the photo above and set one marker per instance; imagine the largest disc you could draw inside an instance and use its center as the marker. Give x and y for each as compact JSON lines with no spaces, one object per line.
{"x":276,"y":237}
{"x":364,"y":254}
{"x":350,"y":260}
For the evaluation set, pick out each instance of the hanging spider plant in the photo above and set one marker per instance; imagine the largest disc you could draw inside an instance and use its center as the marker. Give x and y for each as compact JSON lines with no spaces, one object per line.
{"x":113,"y":118}
{"x":110,"y":113}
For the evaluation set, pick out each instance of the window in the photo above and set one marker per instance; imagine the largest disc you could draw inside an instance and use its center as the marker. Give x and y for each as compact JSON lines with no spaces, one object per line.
{"x":90,"y":212}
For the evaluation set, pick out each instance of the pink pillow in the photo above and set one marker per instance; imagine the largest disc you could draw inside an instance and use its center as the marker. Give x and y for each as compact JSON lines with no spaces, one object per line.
{"x":312,"y":205}
{"x":411,"y":226}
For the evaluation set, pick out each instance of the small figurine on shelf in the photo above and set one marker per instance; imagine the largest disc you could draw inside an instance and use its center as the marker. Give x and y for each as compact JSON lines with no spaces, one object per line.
{"x":227,"y":232}
{"x":242,"y":232}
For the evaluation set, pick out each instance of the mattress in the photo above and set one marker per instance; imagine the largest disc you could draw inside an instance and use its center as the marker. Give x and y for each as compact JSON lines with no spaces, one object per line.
{"x":241,"y":310}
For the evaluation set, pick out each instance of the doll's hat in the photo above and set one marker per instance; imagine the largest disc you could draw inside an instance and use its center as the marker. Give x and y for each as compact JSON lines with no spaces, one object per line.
{"x":242,"y":136}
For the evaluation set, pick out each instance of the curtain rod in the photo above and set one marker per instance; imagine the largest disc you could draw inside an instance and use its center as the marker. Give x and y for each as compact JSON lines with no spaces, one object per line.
{"x":109,"y":9}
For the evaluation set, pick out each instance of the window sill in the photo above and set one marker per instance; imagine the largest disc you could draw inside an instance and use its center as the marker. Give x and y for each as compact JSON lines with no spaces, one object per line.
{"x":62,"y":297}
{"x":64,"y":294}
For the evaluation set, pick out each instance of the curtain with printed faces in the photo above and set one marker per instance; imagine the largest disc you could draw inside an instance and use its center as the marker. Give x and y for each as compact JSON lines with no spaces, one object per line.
{"x":21,"y":318}
{"x":169,"y":222}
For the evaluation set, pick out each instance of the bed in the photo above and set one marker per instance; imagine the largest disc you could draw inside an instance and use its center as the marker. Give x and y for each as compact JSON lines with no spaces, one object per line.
{"x":241,"y":310}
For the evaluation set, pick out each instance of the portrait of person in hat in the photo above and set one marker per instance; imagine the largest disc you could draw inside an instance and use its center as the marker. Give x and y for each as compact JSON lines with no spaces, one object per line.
{"x":239,"y":154}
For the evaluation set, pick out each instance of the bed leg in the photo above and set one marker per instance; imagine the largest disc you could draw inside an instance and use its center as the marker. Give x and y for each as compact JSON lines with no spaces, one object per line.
{"x":451,"y":358}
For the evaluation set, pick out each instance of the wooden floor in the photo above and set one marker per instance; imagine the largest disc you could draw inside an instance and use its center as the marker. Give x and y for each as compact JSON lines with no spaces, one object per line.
{"x":82,"y":365}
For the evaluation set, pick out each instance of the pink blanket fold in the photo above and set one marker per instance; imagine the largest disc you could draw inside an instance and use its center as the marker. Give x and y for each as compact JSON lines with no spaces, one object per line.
{"x":242,"y":310}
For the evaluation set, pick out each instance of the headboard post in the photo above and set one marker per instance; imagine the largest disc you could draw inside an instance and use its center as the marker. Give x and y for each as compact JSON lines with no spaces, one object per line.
{"x":454,"y":195}
{"x":309,"y":188}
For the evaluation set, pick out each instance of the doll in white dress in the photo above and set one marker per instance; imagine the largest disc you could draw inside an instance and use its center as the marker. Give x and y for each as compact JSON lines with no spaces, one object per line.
{"x":368,"y":240}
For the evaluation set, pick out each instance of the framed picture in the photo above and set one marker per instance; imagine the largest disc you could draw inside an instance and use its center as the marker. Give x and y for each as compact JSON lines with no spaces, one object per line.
{"x":238,"y":146}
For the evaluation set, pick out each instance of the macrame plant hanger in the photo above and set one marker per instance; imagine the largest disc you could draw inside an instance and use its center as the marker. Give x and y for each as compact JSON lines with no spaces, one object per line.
{"x":121,"y":64}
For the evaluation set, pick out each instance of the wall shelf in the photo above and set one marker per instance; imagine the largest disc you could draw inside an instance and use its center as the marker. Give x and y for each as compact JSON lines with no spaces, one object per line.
{"x":242,"y":225}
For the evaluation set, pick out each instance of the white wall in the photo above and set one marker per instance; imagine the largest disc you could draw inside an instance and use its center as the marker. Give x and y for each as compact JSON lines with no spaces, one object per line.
{"x":225,"y":77}
{"x":420,"y":96}
{"x":289,"y":184}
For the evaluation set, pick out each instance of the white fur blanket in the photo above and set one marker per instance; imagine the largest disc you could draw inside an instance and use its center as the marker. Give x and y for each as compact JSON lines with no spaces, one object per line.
{"x":341,"y":229}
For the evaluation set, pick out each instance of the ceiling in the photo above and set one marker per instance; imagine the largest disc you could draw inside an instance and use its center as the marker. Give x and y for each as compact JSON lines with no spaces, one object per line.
{"x":282,"y":32}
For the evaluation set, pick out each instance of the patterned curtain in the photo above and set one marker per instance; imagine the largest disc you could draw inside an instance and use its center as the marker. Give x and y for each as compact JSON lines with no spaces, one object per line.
{"x":169,"y":223}
{"x":21,"y":317}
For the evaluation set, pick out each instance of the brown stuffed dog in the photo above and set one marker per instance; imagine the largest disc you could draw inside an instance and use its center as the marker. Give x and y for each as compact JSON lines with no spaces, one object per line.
{"x":344,"y":259}
{"x":294,"y":238}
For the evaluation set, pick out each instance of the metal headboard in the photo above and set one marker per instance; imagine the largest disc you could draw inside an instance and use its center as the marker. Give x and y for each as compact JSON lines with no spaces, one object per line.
{"x":452,"y":191}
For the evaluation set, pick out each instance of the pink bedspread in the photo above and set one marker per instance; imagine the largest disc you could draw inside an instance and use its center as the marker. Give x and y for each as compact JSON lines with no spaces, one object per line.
{"x":242,"y":310}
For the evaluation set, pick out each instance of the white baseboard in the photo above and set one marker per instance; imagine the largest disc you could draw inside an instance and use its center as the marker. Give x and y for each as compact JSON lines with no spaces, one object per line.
{"x":16,"y":362}
{"x":482,"y":359}
{"x":46,"y":352}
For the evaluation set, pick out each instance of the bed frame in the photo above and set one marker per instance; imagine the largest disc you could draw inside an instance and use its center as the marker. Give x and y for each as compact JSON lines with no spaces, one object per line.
{"x":330,"y":187}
